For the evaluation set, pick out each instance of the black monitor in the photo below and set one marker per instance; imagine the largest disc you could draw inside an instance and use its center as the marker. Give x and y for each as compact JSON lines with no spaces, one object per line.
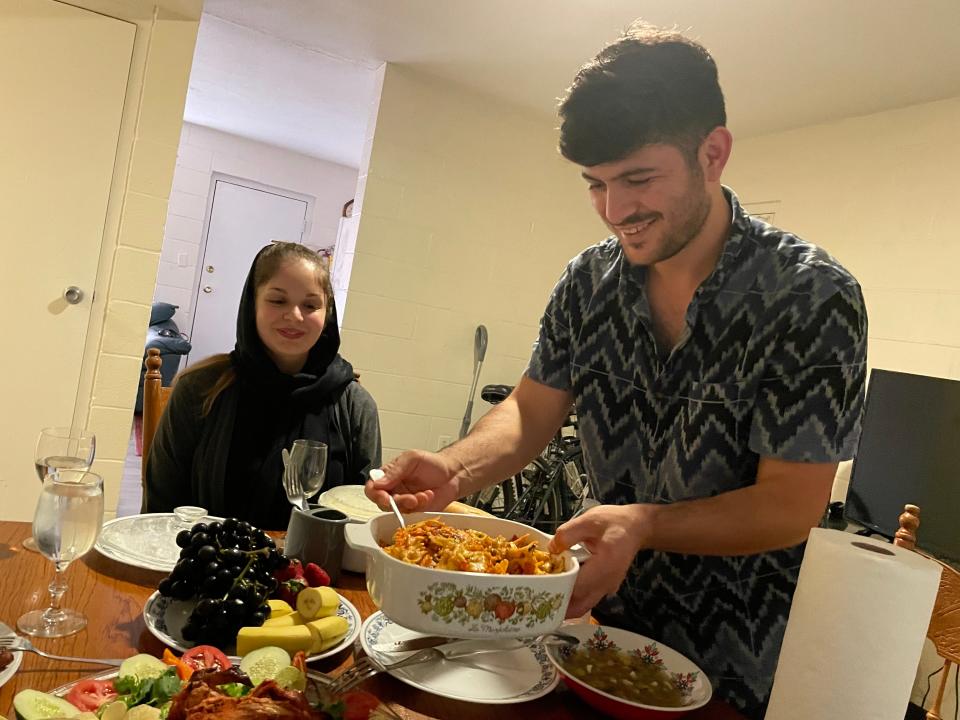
{"x":909,"y":452}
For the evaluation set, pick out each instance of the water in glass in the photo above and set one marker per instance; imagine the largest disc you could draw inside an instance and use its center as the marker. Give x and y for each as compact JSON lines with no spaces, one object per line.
{"x":66,"y":525}
{"x":68,"y":519}
{"x":59,"y":451}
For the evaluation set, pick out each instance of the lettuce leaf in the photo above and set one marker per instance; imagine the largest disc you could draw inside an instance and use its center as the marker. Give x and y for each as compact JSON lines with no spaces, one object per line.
{"x":234,"y":690}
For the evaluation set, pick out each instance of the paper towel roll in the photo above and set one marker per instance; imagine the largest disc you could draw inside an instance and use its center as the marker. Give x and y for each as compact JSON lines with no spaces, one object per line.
{"x":855,"y":632}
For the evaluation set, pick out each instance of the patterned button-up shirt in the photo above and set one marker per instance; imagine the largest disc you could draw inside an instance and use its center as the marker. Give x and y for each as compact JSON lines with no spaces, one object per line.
{"x":772,"y":363}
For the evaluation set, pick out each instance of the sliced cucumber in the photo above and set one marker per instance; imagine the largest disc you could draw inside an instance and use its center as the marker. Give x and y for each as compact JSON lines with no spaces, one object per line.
{"x":35,"y":705}
{"x":264,"y":663}
{"x":142,"y":666}
{"x":115,"y":710}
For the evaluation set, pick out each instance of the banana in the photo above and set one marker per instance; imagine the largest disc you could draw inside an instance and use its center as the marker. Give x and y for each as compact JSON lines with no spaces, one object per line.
{"x":317,"y":602}
{"x":326,"y":632}
{"x":292,"y":639}
{"x":293,"y":618}
{"x":278,"y":608}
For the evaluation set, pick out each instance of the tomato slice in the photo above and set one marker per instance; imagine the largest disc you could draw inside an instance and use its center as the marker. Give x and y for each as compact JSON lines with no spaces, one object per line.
{"x":206,"y":656}
{"x":88,"y":695}
{"x":358,"y":704}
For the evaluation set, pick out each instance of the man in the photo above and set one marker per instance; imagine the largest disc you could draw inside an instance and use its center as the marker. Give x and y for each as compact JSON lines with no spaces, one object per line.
{"x":717,"y":365}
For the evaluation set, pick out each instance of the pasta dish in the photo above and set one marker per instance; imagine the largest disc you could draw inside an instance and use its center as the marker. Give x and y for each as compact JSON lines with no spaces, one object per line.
{"x":434,"y":544}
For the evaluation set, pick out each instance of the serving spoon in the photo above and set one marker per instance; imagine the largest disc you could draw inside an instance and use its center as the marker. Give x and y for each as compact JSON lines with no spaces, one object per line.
{"x":378,"y":474}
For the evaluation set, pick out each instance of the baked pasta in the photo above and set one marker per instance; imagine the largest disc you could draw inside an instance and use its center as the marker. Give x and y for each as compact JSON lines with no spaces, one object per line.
{"x":434,"y":544}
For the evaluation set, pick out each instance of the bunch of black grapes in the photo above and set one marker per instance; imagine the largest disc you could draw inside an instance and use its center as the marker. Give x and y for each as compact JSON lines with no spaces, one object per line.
{"x":228,"y":568}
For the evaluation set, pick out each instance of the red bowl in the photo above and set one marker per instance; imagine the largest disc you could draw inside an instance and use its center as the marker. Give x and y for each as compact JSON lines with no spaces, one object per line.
{"x":689,"y":678}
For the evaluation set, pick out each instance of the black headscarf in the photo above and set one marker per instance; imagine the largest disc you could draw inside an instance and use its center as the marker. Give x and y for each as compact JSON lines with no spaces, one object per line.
{"x":275,"y":408}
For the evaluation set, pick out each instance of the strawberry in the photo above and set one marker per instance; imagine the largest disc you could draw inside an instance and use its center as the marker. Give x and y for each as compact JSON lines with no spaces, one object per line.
{"x":289,"y":589}
{"x":315,"y":575}
{"x":291,"y":571}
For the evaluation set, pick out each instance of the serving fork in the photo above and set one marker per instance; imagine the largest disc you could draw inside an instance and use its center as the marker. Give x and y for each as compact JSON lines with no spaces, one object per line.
{"x":17,"y":643}
{"x":366,"y":667}
{"x":293,"y":488}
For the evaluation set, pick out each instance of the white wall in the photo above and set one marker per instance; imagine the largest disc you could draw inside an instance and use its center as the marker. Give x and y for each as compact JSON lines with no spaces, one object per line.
{"x":467,"y":215}
{"x":204,"y":151}
{"x":880,"y":194}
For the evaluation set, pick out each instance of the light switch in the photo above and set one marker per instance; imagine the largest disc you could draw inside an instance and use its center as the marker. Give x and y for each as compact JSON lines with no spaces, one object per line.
{"x":182,"y":259}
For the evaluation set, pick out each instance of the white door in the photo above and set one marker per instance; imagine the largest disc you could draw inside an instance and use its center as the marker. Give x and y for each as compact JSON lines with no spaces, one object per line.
{"x":63,"y":78}
{"x":242,"y":220}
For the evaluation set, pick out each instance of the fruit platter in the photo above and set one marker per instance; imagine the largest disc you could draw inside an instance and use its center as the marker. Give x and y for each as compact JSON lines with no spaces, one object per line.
{"x":232,"y":589}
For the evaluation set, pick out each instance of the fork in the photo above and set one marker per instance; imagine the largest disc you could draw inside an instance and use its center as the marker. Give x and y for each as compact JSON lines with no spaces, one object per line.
{"x":366,"y":667}
{"x":17,"y":643}
{"x":293,"y":488}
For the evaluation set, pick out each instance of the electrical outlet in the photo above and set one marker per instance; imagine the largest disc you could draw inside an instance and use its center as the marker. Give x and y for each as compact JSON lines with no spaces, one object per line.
{"x":443,"y":441}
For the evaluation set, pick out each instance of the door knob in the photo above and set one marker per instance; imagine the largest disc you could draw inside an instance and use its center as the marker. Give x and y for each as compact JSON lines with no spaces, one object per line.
{"x":209,"y":268}
{"x":207,"y":289}
{"x":73,"y":295}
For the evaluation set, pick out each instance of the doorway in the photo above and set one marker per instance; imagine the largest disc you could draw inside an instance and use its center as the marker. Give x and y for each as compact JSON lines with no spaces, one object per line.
{"x":244,"y":216}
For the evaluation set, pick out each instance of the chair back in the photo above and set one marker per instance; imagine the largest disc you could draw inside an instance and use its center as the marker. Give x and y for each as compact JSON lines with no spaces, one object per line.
{"x":944,"y":630}
{"x":155,"y":398}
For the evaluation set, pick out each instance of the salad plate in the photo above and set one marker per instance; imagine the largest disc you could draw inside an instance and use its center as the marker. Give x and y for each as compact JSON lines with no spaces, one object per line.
{"x":146,"y":541}
{"x":501,"y":678}
{"x":165,"y":618}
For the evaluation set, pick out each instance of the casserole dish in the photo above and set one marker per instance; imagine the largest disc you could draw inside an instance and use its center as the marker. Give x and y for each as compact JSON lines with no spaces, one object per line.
{"x":462,"y":604}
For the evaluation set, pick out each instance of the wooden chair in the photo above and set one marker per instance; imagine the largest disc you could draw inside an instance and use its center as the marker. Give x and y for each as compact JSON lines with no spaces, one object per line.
{"x":944,"y":630}
{"x":155,"y":398}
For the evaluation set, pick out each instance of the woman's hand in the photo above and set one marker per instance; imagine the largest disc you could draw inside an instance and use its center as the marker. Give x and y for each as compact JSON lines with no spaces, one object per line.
{"x":418,"y":481}
{"x":613,"y":534}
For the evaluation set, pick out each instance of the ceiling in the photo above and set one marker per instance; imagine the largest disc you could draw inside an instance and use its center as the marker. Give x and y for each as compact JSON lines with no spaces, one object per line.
{"x":301,"y":73}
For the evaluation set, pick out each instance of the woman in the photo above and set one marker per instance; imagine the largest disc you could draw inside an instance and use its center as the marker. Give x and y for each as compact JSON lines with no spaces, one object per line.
{"x":220,"y":438}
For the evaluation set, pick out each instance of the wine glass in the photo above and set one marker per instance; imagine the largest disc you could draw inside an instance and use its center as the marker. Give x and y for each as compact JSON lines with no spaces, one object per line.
{"x":309,"y":458}
{"x":66,"y":524}
{"x":62,"y":450}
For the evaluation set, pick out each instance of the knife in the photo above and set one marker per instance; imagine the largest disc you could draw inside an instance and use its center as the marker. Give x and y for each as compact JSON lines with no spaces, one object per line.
{"x":452,"y":646}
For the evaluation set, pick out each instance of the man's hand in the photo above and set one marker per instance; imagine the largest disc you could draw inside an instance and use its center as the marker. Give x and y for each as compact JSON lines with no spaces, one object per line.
{"x":418,"y":481}
{"x":613,"y":534}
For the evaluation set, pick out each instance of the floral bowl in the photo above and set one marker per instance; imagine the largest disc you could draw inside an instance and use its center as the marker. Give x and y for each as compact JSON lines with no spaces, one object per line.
{"x":687,"y":678}
{"x":462,"y":604}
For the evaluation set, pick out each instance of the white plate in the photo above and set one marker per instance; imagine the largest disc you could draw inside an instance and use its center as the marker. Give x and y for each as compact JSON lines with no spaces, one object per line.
{"x":165,"y":617}
{"x":351,"y":501}
{"x":494,"y":679}
{"x":10,"y":670}
{"x":144,"y":541}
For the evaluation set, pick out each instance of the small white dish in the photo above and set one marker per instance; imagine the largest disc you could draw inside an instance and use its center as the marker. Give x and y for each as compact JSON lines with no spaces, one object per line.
{"x":165,"y":617}
{"x":494,"y":679}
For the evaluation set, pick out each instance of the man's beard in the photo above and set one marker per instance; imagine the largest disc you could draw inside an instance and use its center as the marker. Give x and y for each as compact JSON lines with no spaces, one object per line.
{"x":692,"y":218}
{"x":688,"y":221}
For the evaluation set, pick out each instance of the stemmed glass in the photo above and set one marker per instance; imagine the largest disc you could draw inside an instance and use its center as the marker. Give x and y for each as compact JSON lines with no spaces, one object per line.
{"x":60,"y":451}
{"x":309,"y":460}
{"x":66,"y":524}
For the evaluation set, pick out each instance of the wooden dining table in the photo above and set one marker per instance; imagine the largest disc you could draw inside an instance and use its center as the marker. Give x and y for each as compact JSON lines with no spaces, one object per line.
{"x":112,"y":596}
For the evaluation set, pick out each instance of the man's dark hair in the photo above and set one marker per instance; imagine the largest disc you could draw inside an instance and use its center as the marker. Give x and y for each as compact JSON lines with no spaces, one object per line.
{"x":650,"y":86}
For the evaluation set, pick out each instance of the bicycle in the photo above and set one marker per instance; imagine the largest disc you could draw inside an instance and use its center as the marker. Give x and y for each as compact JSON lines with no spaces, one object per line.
{"x":550,"y":490}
